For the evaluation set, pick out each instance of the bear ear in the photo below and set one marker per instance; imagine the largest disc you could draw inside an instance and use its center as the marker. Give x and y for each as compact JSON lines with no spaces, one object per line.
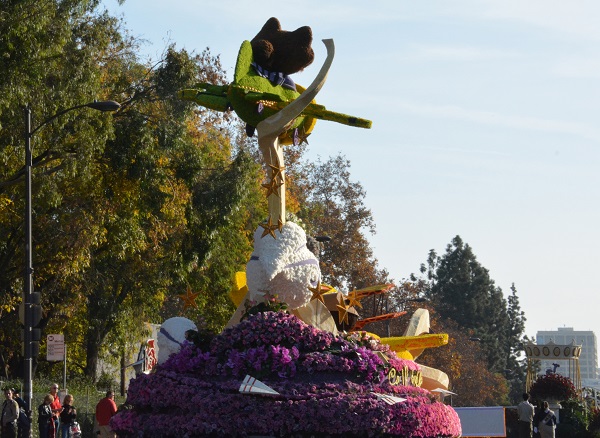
{"x":303,"y":36}
{"x":271,"y":27}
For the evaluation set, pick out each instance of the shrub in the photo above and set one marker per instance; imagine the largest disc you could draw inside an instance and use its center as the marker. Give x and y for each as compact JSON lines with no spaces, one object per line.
{"x":553,"y":387}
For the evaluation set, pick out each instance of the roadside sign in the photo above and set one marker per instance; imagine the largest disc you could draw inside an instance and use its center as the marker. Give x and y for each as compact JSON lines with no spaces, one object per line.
{"x":56,"y":348}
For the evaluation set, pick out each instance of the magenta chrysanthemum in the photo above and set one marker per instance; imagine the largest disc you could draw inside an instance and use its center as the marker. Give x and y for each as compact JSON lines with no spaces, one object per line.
{"x":326,"y":386}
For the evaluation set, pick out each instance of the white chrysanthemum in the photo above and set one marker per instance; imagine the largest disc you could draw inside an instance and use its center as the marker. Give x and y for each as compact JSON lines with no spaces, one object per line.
{"x":283,"y":266}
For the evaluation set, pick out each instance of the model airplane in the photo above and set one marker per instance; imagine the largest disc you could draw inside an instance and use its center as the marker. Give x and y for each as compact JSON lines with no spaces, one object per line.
{"x":255,"y":98}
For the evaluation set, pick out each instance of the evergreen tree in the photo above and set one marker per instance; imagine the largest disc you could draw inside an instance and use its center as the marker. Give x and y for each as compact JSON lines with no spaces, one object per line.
{"x":462,"y":290}
{"x":516,"y":361}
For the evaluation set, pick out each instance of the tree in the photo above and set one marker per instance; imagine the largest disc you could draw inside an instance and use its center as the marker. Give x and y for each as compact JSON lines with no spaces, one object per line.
{"x":516,"y":362}
{"x":130,"y":209}
{"x":466,"y":365}
{"x":331,"y":204}
{"x":176,"y":214}
{"x":462,"y":290}
{"x":51,"y":53}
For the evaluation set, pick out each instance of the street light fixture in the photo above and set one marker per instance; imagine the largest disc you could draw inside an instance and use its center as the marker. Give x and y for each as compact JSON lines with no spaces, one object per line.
{"x":28,"y":295}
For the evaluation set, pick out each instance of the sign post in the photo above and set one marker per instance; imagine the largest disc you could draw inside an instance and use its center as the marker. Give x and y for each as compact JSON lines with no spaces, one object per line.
{"x":56,"y":348}
{"x":57,"y":351}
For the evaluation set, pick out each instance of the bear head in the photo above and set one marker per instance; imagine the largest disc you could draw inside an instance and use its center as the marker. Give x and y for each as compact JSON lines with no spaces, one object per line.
{"x":282,"y":51}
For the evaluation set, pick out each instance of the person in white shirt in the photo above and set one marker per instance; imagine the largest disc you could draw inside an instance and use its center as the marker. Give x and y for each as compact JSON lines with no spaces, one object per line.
{"x":525,"y":411}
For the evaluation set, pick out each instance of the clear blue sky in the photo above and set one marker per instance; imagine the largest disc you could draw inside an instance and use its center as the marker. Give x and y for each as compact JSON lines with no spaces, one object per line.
{"x":485,"y":124}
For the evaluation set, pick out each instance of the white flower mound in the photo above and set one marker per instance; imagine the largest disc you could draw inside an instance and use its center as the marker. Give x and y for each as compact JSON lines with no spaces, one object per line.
{"x":171,"y":335}
{"x":283,"y":266}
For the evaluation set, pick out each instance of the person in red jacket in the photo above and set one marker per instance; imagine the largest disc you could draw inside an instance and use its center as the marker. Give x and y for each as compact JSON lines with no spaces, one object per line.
{"x":55,"y":406}
{"x":105,"y":409}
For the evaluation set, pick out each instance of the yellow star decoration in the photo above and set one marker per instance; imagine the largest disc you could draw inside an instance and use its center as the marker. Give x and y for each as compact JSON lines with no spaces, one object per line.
{"x":353,"y":299}
{"x":189,"y":298}
{"x":343,"y":311}
{"x":269,"y":228}
{"x":318,"y":292}
{"x":272,"y":187}
{"x":279,"y":224}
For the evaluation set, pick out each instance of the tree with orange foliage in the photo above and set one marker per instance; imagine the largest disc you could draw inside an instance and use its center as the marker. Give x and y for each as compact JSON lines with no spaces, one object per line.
{"x":464,"y":361}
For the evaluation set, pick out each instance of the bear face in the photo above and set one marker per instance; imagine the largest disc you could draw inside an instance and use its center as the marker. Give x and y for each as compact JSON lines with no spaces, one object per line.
{"x":282,"y":51}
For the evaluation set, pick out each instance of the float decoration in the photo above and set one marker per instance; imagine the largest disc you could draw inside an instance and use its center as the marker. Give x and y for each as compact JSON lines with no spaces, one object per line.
{"x":327,"y":385}
{"x":189,"y":299}
{"x":319,"y":381}
{"x":269,"y":102}
{"x":551,"y":351}
{"x":251,"y":385}
{"x":171,"y":335}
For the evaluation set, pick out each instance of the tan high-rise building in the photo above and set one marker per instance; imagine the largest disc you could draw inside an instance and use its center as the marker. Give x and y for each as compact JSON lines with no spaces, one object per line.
{"x":588,"y":361}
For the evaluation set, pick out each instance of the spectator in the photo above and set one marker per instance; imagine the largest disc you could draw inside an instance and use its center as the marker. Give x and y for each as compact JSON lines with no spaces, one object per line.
{"x":24,"y":421}
{"x":10,"y":414}
{"x":525,"y":410}
{"x":67,"y":416}
{"x":55,"y":406}
{"x":105,"y":409}
{"x":45,"y":420}
{"x":545,"y":422}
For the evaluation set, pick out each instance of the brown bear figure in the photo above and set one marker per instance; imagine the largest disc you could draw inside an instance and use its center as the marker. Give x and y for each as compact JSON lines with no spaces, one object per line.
{"x":282,"y":51}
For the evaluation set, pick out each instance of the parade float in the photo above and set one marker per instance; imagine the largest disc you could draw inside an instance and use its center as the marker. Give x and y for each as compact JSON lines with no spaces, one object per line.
{"x":293,"y":360}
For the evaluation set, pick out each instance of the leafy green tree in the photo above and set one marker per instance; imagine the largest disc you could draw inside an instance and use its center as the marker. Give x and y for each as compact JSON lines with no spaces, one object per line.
{"x":51,"y":55}
{"x":175,"y":215}
{"x":130,"y":209}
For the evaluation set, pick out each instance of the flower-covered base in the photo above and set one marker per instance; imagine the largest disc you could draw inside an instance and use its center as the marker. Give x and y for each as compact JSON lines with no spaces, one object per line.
{"x":327,"y":386}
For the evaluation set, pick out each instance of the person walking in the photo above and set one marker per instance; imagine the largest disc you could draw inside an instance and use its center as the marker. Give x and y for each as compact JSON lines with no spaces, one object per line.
{"x":545,"y":422}
{"x":525,"y":411}
{"x":105,"y":409}
{"x":67,"y":416}
{"x":10,"y":414}
{"x":45,"y":420}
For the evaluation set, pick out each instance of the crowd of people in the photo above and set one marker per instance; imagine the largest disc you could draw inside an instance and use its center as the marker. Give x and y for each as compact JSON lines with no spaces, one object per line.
{"x":55,"y":419}
{"x":59,"y":420}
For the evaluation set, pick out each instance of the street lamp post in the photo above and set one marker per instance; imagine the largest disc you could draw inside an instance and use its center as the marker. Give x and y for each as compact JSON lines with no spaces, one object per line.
{"x":28,"y":273}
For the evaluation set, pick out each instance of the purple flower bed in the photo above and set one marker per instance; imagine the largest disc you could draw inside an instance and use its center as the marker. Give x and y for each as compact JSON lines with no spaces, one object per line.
{"x":326,"y":386}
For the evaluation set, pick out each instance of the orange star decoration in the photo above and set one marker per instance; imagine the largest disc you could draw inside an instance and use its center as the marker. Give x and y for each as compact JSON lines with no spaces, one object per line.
{"x":189,"y":298}
{"x":354,"y":300}
{"x":302,"y":137}
{"x":318,"y":292}
{"x":272,"y":187}
{"x":343,"y":311}
{"x":277,"y":173}
{"x":269,"y":228}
